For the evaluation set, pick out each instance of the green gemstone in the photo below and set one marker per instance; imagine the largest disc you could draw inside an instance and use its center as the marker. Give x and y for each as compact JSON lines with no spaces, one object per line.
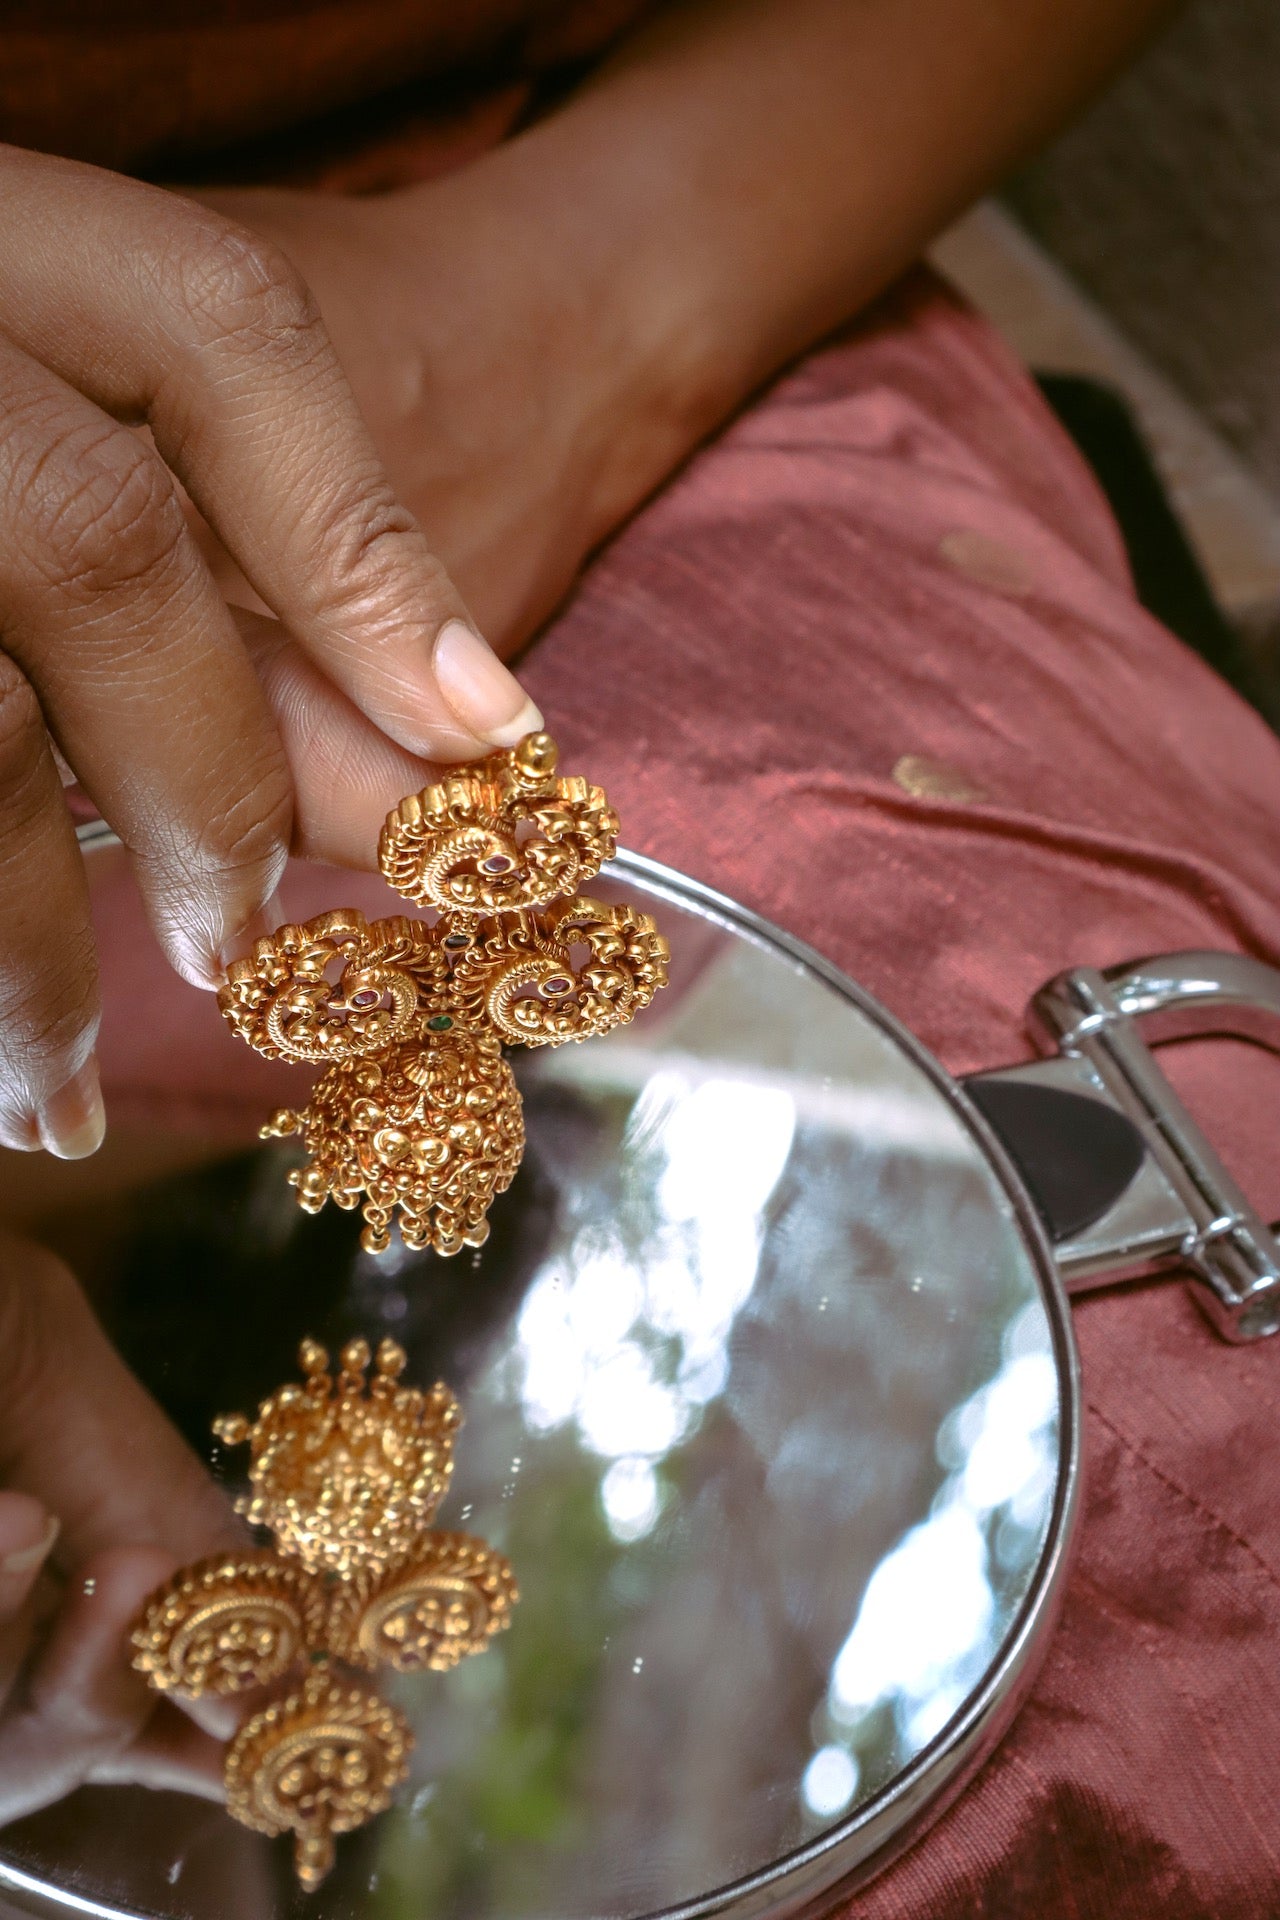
{"x":441,"y":1023}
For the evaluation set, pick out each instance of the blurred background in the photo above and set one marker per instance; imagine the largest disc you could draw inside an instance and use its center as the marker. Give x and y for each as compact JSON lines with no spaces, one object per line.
{"x":1140,"y":258}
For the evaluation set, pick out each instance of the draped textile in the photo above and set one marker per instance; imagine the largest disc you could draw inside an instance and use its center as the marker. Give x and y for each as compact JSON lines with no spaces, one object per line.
{"x":872,"y":665}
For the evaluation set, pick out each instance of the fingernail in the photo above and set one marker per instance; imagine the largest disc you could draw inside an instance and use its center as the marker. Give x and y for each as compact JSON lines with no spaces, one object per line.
{"x":27,"y":1559}
{"x":73,"y":1123}
{"x":485,"y":697}
{"x":267,"y":920}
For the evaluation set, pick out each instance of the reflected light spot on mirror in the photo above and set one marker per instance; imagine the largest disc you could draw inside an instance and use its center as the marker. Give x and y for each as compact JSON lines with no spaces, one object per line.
{"x":726,"y":1144}
{"x":928,"y":1619}
{"x":631,"y":1499}
{"x":631,"y":1345}
{"x":927,"y":1604}
{"x":830,"y":1781}
{"x":623,"y":1409}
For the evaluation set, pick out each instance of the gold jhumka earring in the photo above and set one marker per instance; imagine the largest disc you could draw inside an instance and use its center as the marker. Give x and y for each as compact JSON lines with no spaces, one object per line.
{"x":347,"y":1477}
{"x":417,"y":1109}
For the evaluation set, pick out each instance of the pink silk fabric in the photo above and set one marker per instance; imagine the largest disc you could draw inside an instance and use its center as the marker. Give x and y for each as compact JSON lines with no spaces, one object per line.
{"x":896,"y":553}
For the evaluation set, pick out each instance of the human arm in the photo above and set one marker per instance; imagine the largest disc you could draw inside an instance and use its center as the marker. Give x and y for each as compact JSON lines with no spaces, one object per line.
{"x":539,"y":340}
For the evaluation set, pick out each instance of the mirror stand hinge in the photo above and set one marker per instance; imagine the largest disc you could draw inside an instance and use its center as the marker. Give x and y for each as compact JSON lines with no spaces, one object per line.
{"x":1125,"y":1179}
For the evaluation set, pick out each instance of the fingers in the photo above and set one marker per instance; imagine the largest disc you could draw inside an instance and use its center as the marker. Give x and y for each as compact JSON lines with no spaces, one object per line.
{"x":346,"y":774}
{"x":83,"y":1685}
{"x":136,"y":665}
{"x":79,"y":1711}
{"x":80,"y":1704}
{"x":27,"y":1533}
{"x":48,"y":973}
{"x":79,"y":1434}
{"x":80,"y":1439}
{"x":156,"y":307}
{"x":171,"y":1755}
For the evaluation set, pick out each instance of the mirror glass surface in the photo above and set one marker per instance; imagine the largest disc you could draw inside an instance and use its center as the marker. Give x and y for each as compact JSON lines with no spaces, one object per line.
{"x":761,"y":1402}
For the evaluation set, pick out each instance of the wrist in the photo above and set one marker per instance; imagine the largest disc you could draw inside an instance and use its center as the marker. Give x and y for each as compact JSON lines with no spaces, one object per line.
{"x":618,"y":323}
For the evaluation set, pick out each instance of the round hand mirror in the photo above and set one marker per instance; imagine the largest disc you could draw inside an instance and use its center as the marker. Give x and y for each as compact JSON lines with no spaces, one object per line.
{"x":771,"y":1401}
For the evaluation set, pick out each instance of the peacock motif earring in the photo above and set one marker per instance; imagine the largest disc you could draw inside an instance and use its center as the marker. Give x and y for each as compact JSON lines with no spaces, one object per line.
{"x":417,"y":1112}
{"x":347,"y":1474}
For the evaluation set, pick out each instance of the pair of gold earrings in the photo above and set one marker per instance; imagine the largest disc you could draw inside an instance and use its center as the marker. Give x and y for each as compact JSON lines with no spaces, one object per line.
{"x":418,"y":1110}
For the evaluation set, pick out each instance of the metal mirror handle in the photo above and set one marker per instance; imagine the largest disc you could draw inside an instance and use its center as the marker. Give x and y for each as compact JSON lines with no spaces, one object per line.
{"x":1128,"y":1183}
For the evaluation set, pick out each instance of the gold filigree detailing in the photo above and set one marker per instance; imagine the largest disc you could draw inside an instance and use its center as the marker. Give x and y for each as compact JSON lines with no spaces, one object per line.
{"x":226,"y":1624}
{"x":347,"y":1473}
{"x":417,"y":1116}
{"x":322,"y":1762}
{"x":498,"y":835}
{"x":579,"y":970}
{"x":446,"y":1603}
{"x":336,"y":988}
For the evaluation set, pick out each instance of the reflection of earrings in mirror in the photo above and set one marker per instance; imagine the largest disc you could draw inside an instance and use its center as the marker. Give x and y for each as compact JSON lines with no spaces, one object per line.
{"x":347,"y":1480}
{"x":417,"y":1109}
